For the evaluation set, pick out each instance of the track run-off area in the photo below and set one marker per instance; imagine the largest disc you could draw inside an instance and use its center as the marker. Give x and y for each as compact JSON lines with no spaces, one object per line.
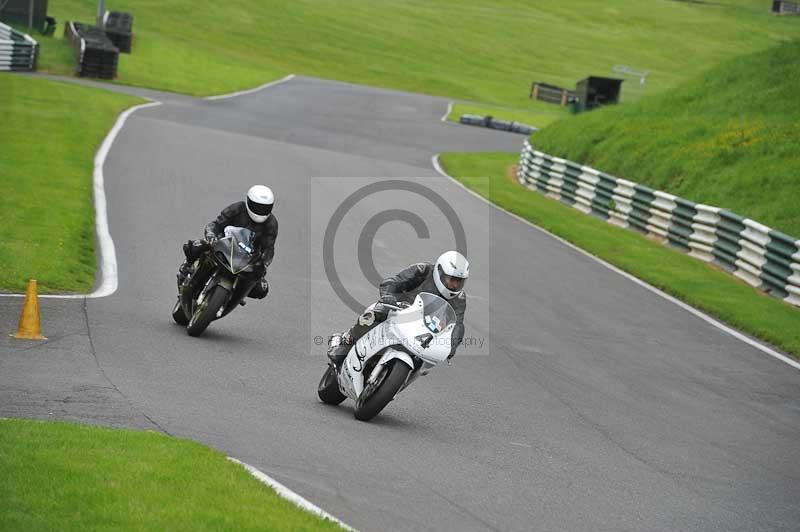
{"x":592,"y":403}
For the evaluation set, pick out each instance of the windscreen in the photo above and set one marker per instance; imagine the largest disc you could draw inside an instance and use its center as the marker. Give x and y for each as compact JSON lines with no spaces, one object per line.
{"x":437,"y":312}
{"x":237,"y":248}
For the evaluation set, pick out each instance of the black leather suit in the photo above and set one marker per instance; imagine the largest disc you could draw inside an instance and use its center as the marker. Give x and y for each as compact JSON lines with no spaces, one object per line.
{"x":266,"y":233}
{"x":236,"y":215}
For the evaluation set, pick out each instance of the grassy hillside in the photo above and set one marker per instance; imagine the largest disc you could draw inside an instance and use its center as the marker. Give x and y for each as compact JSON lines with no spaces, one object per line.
{"x":729,"y":138}
{"x":700,"y":284}
{"x":486,"y":51}
{"x":46,"y":165}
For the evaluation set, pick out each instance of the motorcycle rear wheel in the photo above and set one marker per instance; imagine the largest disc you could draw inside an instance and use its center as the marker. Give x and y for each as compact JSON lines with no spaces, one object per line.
{"x":370,"y":406}
{"x":207,"y":311}
{"x":328,"y":389}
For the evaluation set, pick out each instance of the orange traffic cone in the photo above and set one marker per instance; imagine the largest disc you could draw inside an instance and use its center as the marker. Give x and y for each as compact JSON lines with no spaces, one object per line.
{"x":30,"y":326}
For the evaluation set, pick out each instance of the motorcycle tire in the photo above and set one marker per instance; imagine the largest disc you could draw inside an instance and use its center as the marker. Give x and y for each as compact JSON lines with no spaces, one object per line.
{"x":178,"y":315}
{"x":328,"y":389}
{"x":207,"y":311}
{"x":369,"y":407}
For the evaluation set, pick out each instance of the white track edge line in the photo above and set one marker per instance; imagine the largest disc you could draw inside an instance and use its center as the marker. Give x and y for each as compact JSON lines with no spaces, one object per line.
{"x":108,"y":256}
{"x":108,"y":262}
{"x":449,"y":110}
{"x":685,"y":306}
{"x":251,"y":91}
{"x":290,"y":495}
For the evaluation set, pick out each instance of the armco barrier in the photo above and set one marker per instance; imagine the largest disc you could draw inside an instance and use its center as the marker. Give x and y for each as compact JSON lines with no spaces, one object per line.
{"x":493,"y":123}
{"x":18,"y":51}
{"x":764,"y":258}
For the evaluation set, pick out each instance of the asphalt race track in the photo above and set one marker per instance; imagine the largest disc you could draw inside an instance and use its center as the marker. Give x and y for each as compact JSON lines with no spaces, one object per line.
{"x":594,"y":404}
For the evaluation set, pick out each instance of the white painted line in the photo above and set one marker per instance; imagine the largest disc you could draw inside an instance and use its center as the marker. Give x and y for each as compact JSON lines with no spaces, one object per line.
{"x":108,"y":257}
{"x":289,"y":495}
{"x":251,"y":91}
{"x":449,"y":110}
{"x":702,"y":315}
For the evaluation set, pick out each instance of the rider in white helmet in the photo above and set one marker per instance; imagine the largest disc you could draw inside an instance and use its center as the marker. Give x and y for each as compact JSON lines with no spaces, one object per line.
{"x":446,"y":278}
{"x":255,"y":214}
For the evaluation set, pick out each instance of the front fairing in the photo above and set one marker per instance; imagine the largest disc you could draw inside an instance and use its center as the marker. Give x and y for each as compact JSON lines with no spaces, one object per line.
{"x":236,"y":251}
{"x":352,"y":374}
{"x":426,"y":327}
{"x":423,"y":330}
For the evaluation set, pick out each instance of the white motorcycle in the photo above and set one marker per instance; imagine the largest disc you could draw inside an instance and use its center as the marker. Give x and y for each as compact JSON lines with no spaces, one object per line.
{"x":411,"y":341}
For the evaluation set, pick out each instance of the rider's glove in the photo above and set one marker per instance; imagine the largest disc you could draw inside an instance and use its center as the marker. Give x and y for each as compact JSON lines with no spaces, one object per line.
{"x":193,"y":249}
{"x":388,"y":299}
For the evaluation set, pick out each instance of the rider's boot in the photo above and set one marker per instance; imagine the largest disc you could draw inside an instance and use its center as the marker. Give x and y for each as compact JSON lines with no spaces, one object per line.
{"x":338,"y":347}
{"x":183,"y":272}
{"x":259,"y":290}
{"x":340,"y":344}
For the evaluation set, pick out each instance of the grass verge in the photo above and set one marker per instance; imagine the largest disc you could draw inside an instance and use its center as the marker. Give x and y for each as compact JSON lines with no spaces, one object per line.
{"x":540,"y":115}
{"x":475,"y":50}
{"x":46,"y":163}
{"x":695,"y":282}
{"x":727,"y":138}
{"x":63,"y":476}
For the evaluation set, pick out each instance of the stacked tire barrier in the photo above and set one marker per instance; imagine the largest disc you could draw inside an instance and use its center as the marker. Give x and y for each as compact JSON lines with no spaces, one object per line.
{"x":764,"y":258}
{"x":784,"y":7}
{"x":18,"y":51}
{"x":119,"y":28}
{"x":502,"y":125}
{"x":95,"y":55}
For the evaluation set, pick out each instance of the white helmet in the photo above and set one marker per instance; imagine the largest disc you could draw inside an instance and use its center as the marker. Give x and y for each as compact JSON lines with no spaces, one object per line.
{"x":450,"y":274}
{"x":259,"y":203}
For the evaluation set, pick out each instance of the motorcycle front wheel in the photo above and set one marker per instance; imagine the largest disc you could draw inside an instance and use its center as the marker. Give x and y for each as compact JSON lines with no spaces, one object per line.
{"x":328,"y":389}
{"x":369,"y":404}
{"x":178,"y":315}
{"x":206,"y":311}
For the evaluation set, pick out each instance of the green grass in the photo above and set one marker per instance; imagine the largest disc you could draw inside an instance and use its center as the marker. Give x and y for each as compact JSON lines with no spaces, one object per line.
{"x":539,"y":116}
{"x":51,"y":132}
{"x":699,"y":284}
{"x":476,"y":50}
{"x":729,"y":138}
{"x":62,"y":476}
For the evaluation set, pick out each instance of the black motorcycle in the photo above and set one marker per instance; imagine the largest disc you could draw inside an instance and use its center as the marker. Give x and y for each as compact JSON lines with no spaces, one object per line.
{"x":217,"y":281}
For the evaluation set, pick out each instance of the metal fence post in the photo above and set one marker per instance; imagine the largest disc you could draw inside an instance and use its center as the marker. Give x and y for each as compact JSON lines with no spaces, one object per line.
{"x":101,"y":11}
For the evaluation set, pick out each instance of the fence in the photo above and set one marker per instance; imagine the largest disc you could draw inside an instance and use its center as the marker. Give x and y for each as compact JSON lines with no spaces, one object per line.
{"x":551,"y":94}
{"x":18,"y":51}
{"x":764,"y":258}
{"x":95,"y":55}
